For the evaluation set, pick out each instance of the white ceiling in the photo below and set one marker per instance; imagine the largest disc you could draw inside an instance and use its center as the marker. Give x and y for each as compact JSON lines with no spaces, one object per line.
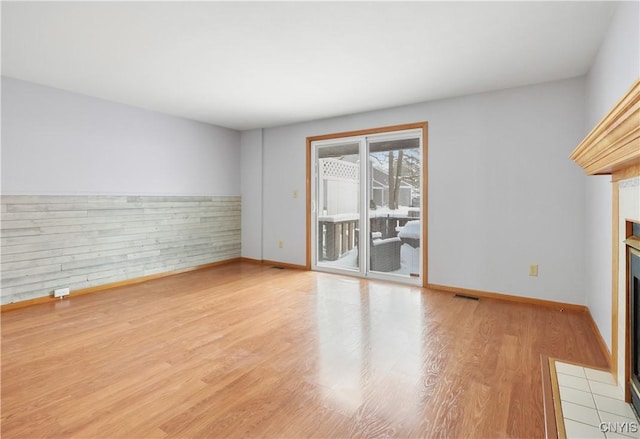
{"x":247,"y":65}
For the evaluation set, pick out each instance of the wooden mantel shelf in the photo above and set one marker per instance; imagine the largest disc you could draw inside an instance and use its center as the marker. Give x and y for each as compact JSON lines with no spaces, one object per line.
{"x":614,"y":144}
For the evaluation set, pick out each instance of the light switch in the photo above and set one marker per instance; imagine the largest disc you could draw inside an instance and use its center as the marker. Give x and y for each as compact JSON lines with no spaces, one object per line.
{"x":533,"y":270}
{"x":295,"y":193}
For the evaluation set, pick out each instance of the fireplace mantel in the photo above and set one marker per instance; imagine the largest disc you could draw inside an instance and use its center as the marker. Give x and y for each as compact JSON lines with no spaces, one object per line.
{"x":614,"y":144}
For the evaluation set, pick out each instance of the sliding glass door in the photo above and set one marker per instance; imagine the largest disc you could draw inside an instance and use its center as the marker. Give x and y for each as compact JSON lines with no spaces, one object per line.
{"x":367,"y":205}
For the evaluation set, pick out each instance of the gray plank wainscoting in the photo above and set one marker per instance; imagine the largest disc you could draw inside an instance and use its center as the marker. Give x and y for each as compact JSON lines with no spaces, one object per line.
{"x":51,"y":242}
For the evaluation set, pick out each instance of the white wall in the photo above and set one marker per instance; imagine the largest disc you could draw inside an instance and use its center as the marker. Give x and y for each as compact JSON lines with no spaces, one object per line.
{"x":56,"y":142}
{"x":251,"y":188}
{"x":502,"y":192}
{"x":617,"y":64}
{"x":598,"y":220}
{"x":616,"y":67}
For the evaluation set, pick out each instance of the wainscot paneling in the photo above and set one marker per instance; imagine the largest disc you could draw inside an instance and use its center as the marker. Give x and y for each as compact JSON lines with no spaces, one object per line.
{"x":51,"y":242}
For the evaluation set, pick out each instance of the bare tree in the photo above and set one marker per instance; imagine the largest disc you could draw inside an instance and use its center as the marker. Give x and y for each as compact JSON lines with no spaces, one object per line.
{"x":396,"y":185}
{"x":395,"y":175}
{"x":391,"y":182}
{"x":401,"y":168}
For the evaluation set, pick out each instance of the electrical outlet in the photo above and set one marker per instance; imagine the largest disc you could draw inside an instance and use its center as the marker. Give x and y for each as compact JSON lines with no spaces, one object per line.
{"x":61,"y":292}
{"x":533,"y":270}
{"x":295,"y":193}
{"x":280,"y":244}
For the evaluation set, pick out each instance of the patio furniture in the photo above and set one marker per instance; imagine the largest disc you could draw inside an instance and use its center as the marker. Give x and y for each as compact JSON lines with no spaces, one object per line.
{"x":385,"y":254}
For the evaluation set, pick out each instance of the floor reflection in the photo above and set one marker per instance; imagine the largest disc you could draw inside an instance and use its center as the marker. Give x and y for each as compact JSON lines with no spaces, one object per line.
{"x":340,"y":341}
{"x":367,"y":333}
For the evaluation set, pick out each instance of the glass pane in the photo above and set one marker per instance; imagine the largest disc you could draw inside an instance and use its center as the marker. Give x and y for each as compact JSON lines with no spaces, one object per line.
{"x":394,"y":206}
{"x":338,"y":204}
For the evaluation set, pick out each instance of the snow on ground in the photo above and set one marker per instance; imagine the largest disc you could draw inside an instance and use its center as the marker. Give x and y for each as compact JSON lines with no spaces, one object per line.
{"x":400,"y":212}
{"x":348,"y":260}
{"x":409,"y":260}
{"x":380,"y":212}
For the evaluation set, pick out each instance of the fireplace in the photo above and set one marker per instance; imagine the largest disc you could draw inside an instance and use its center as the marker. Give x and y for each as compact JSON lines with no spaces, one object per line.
{"x":613,"y":148}
{"x":633,"y":252}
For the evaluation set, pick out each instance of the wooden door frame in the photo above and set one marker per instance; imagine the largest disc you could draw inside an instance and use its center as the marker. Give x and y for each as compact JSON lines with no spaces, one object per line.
{"x":424,"y":194}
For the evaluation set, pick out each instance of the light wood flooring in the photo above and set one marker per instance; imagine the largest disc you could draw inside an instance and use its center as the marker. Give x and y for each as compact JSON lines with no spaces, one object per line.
{"x":243,"y":350}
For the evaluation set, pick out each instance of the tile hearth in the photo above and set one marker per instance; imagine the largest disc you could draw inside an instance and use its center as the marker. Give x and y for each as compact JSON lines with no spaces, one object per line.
{"x":593,"y":405}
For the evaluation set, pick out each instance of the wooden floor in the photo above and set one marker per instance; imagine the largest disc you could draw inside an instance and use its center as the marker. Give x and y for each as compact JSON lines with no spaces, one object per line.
{"x":245,"y":351}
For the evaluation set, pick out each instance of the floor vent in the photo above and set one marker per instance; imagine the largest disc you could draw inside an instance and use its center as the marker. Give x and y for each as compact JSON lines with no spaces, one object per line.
{"x":466,"y":296}
{"x":277,"y":267}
